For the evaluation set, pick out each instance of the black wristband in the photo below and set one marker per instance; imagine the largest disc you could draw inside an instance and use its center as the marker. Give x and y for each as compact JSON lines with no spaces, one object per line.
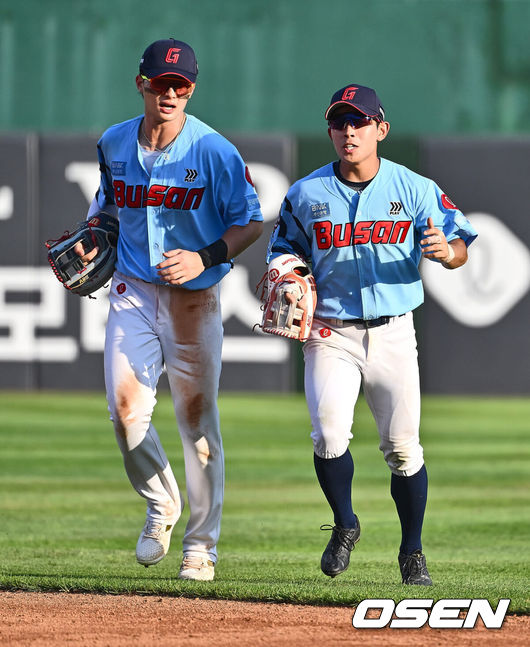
{"x":214,"y":254}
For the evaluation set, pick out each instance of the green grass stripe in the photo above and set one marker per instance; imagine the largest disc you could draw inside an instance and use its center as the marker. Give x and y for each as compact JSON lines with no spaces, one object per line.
{"x":70,"y":519}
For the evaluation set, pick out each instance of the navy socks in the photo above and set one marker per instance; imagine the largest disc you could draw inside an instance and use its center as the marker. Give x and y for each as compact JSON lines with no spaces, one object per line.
{"x":410,"y":496}
{"x":335,"y":476}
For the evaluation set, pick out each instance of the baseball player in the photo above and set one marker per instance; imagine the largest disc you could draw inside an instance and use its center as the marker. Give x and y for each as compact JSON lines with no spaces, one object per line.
{"x":362,"y":224}
{"x":186,"y":206}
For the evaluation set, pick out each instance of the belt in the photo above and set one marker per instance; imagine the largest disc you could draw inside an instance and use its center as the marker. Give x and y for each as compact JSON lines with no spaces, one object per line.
{"x":366,"y":323}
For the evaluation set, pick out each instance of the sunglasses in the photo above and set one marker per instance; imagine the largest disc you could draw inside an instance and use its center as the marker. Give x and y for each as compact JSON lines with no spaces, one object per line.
{"x":160,"y":85}
{"x":353,"y":119}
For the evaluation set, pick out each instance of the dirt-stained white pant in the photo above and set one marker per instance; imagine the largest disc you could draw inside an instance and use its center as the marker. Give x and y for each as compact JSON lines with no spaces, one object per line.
{"x":385,"y":360}
{"x":151,"y":326}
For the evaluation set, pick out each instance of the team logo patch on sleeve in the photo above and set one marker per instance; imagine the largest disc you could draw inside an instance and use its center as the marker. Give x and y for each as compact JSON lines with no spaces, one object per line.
{"x":447,"y":202}
{"x":118,"y":168}
{"x":248,"y":177}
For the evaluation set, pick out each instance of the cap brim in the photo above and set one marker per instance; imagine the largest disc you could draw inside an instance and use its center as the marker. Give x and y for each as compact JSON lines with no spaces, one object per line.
{"x":361,"y":109}
{"x":190,"y":78}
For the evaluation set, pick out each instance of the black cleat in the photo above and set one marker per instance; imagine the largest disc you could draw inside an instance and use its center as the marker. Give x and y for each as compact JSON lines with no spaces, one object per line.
{"x":336,"y":557}
{"x":414,"y":569}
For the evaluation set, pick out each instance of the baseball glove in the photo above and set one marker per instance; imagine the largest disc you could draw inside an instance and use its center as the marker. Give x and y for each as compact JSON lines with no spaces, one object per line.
{"x":291,"y":299}
{"x":100,"y":231}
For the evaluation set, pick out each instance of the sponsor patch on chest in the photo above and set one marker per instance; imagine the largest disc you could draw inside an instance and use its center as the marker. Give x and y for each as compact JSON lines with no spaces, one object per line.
{"x":118,"y":168}
{"x":320,"y":209}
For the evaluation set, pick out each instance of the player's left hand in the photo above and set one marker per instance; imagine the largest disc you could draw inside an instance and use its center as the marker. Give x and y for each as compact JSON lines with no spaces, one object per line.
{"x":181,"y":265}
{"x":85,"y":257}
{"x":435,"y":245}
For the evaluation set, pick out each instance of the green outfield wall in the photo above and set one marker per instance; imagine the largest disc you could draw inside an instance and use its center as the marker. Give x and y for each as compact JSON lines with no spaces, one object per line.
{"x":441,"y":66}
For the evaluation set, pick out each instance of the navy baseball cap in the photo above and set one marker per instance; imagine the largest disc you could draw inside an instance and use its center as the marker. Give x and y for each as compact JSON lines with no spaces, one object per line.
{"x":361,"y":98}
{"x":169,"y":57}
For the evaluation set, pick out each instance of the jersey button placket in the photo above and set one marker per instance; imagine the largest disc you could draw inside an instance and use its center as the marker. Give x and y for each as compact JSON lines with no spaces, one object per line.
{"x":358,"y":252}
{"x":155,"y":248}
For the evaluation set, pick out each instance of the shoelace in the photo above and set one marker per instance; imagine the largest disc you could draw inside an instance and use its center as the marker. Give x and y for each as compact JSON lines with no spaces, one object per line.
{"x":415,"y":564}
{"x":341,"y":534}
{"x":154,"y":529}
{"x":194,"y":562}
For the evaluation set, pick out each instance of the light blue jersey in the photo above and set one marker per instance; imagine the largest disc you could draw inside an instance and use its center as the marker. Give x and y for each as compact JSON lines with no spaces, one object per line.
{"x":365,"y":248}
{"x":196,"y":190}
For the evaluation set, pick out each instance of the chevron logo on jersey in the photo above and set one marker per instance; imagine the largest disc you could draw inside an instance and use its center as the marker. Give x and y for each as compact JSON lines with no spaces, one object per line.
{"x":191,"y":175}
{"x":395,"y":208}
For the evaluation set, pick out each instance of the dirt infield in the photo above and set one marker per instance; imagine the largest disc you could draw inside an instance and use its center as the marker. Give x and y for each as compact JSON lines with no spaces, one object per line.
{"x":83,"y":620}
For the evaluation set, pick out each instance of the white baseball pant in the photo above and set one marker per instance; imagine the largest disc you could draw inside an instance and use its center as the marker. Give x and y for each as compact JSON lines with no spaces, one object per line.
{"x":384,"y":359}
{"x":151,"y":326}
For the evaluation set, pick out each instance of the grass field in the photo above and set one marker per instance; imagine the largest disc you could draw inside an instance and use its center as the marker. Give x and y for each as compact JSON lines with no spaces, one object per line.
{"x":70,"y":520}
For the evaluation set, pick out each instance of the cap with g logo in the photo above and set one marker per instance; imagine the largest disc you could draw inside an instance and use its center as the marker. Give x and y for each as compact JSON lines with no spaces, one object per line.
{"x":360,"y":97}
{"x":169,"y":57}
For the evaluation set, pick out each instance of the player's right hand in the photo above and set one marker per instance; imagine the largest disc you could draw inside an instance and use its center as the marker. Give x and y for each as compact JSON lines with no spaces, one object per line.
{"x":180,"y":266}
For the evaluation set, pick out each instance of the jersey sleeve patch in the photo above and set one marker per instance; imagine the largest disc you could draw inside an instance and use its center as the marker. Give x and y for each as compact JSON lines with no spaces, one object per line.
{"x":248,"y":177}
{"x":447,"y":202}
{"x":252,"y":203}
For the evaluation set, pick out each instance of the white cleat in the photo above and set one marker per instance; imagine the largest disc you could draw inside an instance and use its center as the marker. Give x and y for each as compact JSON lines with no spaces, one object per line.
{"x":153,"y":542}
{"x":197,"y":568}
